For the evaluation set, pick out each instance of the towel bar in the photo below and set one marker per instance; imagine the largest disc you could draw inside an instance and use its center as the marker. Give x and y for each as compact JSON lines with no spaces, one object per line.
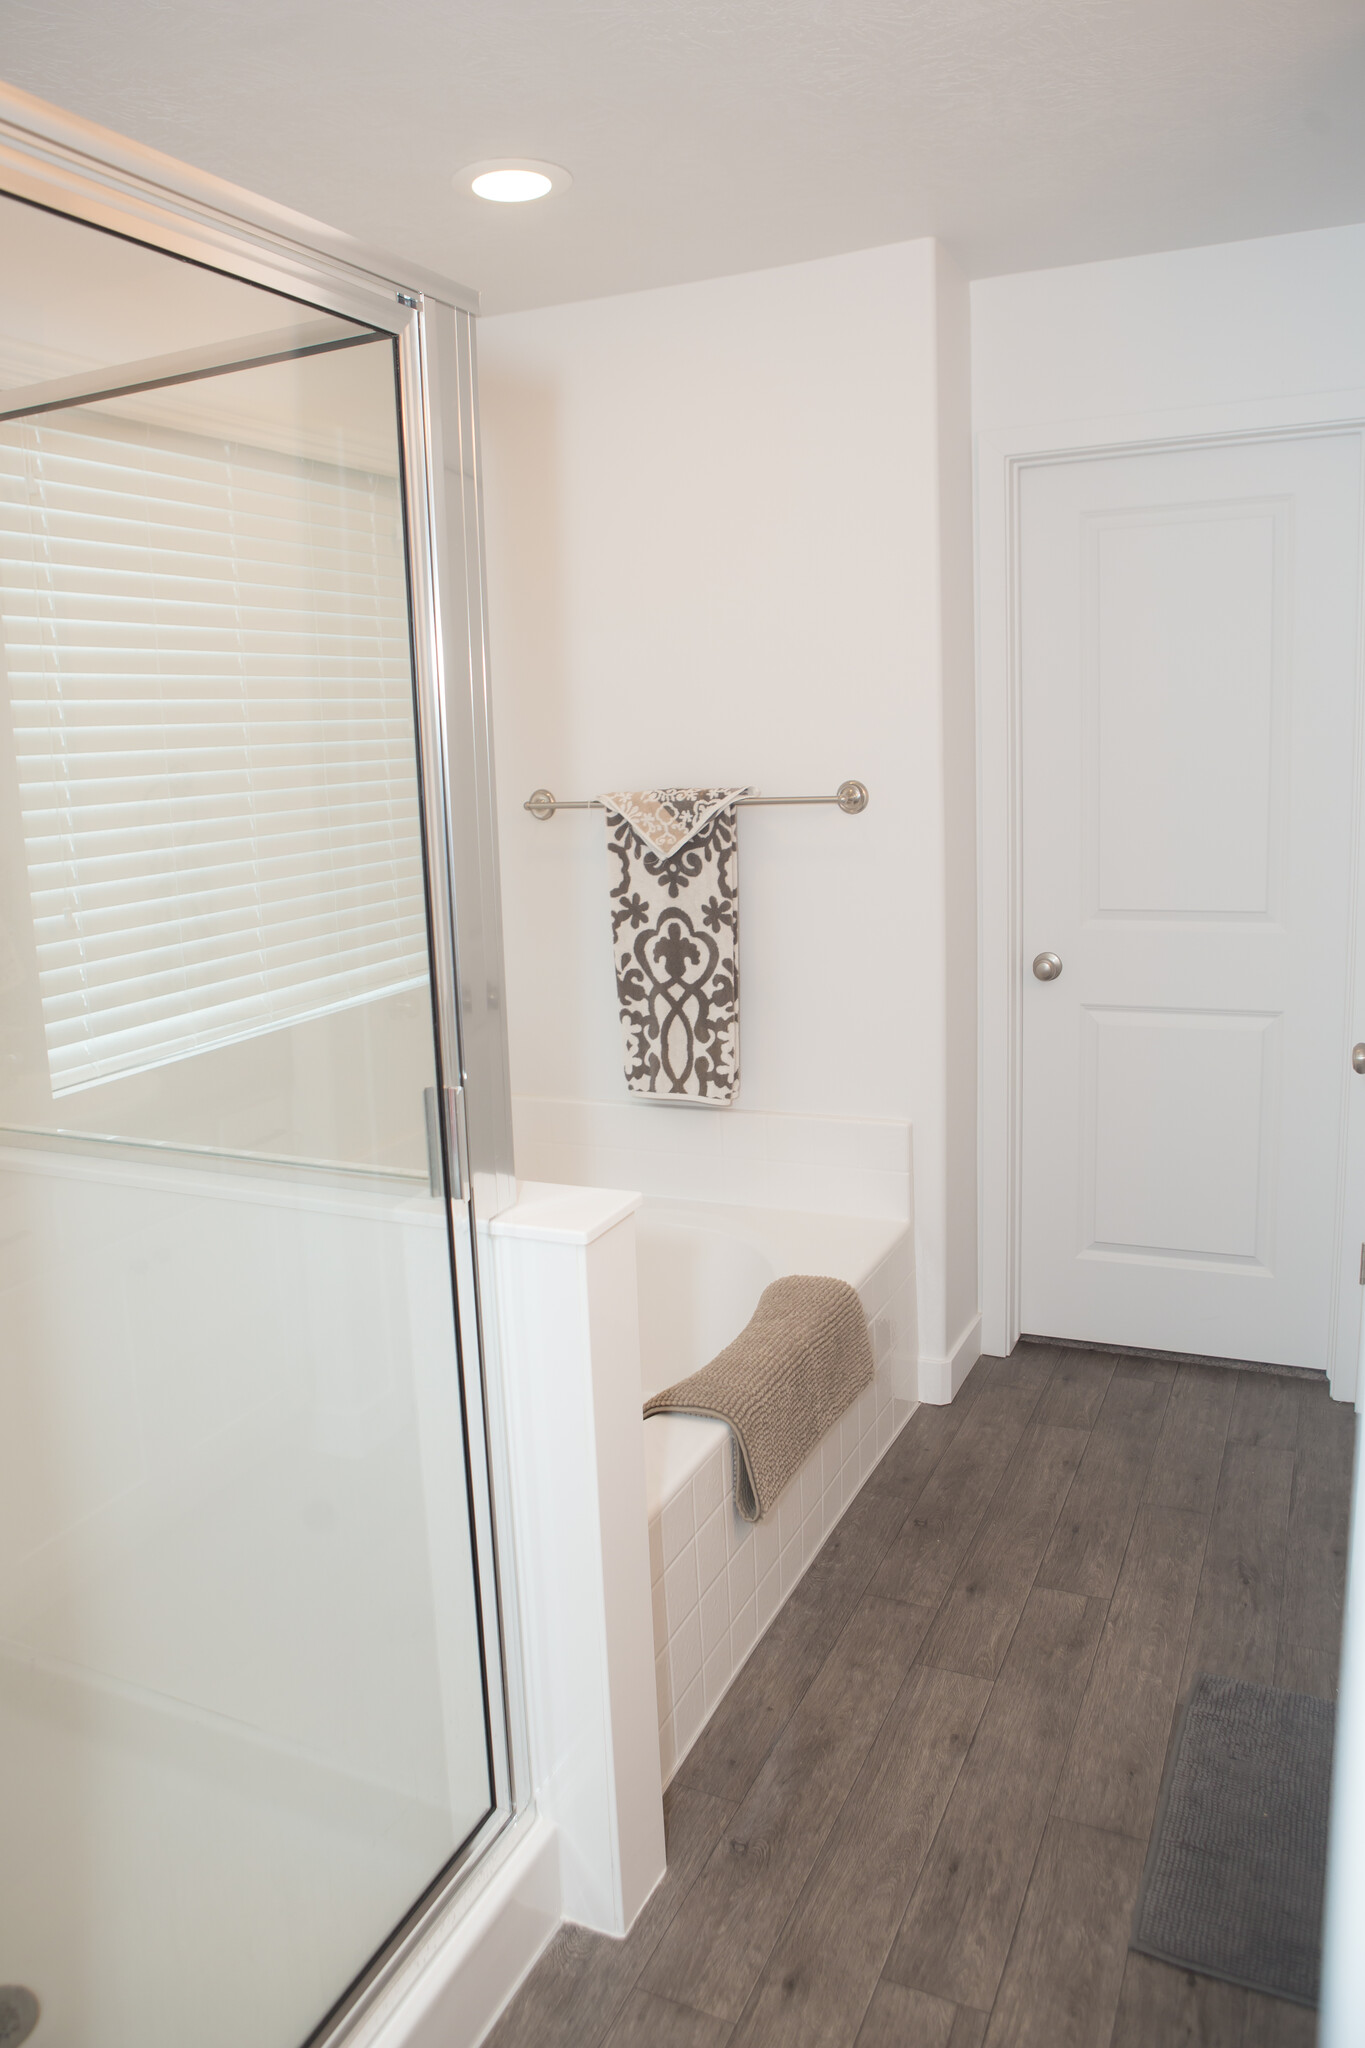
{"x":850,"y":797}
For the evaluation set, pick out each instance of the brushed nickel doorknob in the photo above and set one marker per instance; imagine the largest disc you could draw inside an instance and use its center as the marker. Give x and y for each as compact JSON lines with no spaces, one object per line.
{"x":1047,"y":967}
{"x":1358,"y":1058}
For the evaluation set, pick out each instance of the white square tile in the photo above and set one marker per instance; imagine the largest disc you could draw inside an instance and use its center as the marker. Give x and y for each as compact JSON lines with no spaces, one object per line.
{"x":875,"y":1288}
{"x":688,"y":1714}
{"x":742,"y":1577}
{"x":715,"y":1616}
{"x":812,"y":1486}
{"x":743,"y":1630}
{"x":708,"y":1488}
{"x":833,"y":1504}
{"x":867,"y":1410}
{"x":679,"y":1523}
{"x":673,"y":1131}
{"x":799,"y":1140}
{"x":711,"y":1549}
{"x":744,"y":1138}
{"x":656,"y":1548}
{"x":790,"y":1564}
{"x":789,"y":1514}
{"x":767,"y":1543}
{"x":768,"y":1595}
{"x":717,"y":1673}
{"x":883,"y":1430}
{"x":618,"y":1166}
{"x":685,"y":1656}
{"x":736,"y":1529}
{"x":661,"y":1628}
{"x":688,"y":1179}
{"x":680,"y":1589}
{"x":831,"y":1456}
{"x":663,"y":1685}
{"x":614,"y":1124}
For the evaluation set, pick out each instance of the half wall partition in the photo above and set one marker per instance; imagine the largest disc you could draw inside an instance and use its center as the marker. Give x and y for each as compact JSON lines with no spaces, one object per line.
{"x":253,"y":1687}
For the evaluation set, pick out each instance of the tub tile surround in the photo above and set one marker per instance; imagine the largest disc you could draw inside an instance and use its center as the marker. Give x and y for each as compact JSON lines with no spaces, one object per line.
{"x":811,"y":1192}
{"x":834,"y":1166}
{"x":719,"y":1580}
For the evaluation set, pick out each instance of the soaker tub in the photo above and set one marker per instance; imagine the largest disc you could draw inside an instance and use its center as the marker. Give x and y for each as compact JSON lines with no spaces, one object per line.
{"x":718,"y":1580}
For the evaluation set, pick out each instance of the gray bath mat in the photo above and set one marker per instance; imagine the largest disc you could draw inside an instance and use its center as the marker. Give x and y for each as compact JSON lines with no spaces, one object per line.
{"x":1234,"y":1878}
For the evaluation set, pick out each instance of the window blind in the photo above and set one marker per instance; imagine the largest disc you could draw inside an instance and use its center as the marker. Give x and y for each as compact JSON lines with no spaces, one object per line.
{"x":209,"y":686}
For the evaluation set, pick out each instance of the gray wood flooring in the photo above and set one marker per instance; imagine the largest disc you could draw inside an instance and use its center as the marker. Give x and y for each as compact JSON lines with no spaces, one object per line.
{"x":919,"y":1817}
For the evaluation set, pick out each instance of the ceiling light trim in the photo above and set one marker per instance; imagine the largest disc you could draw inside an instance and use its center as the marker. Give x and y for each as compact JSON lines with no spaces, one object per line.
{"x":558,"y":179}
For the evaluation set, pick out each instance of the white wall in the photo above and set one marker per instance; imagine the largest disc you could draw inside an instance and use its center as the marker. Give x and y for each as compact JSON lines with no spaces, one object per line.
{"x":1188,"y":328}
{"x":1246,"y":336}
{"x":727,"y":542}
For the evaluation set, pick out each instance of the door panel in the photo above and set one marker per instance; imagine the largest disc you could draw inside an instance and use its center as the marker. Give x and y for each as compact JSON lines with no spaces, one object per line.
{"x":1175,"y":1129}
{"x":1188,"y":635}
{"x":1183,"y":673}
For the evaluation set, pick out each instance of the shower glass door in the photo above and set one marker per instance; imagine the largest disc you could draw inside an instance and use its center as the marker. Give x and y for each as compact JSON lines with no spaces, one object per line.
{"x":244,"y":1724}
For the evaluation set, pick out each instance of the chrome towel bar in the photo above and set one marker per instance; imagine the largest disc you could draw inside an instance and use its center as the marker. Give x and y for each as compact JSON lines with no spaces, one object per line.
{"x":850,"y":797}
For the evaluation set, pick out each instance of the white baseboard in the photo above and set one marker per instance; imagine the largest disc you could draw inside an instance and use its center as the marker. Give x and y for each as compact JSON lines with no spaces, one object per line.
{"x":940,"y":1378}
{"x":452,"y":1990}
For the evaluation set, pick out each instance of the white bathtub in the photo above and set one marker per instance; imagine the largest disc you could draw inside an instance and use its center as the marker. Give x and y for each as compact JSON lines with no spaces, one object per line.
{"x":719,"y":1580}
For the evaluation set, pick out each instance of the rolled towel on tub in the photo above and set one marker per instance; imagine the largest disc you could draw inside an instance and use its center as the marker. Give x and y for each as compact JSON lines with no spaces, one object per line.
{"x":801,"y":1360}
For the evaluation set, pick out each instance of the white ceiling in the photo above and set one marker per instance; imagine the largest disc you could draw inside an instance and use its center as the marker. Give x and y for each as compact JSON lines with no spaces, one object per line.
{"x":711,"y":136}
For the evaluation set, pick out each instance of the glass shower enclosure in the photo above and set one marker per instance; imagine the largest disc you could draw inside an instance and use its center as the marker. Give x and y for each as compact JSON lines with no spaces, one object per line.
{"x":253,"y":1096}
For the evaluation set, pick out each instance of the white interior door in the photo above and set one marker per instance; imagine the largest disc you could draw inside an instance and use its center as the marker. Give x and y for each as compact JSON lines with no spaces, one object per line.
{"x":1189,"y":639}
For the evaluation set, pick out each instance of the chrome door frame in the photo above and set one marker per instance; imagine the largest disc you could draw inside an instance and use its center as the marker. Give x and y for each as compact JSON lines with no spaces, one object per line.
{"x":70,"y":167}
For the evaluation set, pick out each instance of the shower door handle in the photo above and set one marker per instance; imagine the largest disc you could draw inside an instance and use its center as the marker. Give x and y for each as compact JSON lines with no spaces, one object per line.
{"x":450,"y":1110}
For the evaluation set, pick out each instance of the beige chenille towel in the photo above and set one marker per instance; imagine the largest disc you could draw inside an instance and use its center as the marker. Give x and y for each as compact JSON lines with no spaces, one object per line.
{"x":803,"y":1358}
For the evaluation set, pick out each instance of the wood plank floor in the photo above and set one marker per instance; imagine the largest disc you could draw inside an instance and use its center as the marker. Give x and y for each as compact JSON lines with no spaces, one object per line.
{"x":919,"y":1818}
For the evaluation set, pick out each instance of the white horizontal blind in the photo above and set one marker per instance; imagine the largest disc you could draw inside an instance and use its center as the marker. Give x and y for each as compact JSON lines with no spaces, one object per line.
{"x":208,"y":673}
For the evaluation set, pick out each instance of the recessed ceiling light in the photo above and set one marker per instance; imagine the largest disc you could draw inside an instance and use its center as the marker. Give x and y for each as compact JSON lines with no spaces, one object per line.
{"x":512,"y":179}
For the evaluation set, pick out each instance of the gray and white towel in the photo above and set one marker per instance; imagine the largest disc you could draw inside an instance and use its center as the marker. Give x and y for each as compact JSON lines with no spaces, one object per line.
{"x":675,"y":939}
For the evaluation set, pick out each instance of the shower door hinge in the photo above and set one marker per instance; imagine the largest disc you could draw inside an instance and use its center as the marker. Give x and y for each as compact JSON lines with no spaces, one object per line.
{"x":456,"y":1145}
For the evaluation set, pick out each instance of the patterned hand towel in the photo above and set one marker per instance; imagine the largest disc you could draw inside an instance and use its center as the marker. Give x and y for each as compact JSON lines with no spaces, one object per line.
{"x":804,"y":1356}
{"x":675,"y":938}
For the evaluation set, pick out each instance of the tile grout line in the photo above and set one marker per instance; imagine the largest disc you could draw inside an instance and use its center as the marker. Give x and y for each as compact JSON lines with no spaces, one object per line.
{"x":920,"y":1661}
{"x":1033,"y":1586}
{"x":914,"y":1667}
{"x":854,"y":1600}
{"x":976,"y":1731}
{"x":1051,"y":1813}
{"x":599,"y":2038}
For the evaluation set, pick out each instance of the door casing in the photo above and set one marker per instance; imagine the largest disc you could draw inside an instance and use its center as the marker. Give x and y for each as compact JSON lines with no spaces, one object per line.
{"x":1001,"y":461}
